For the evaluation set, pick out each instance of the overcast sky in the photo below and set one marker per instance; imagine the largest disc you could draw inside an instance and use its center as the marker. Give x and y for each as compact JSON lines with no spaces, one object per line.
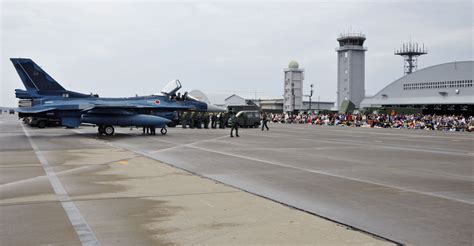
{"x":119,"y":49}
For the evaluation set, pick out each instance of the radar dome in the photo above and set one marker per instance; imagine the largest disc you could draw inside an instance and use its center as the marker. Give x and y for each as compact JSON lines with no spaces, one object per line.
{"x":293,"y":64}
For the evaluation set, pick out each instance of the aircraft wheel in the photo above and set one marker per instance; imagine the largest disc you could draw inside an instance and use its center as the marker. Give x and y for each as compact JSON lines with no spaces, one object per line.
{"x":41,"y":124}
{"x":109,"y":130}
{"x":164,"y":131}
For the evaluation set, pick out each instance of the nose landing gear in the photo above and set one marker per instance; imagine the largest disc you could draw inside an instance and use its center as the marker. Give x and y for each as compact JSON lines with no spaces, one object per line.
{"x":164,"y":131}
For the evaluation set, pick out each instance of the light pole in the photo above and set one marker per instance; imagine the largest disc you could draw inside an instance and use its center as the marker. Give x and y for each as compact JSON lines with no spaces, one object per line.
{"x":310,"y":96}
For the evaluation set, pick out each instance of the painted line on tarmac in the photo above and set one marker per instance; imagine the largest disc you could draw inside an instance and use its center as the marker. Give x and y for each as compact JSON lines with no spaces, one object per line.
{"x":389,"y":146}
{"x":150,"y":154}
{"x":69,"y":171}
{"x":332,"y":175}
{"x":83,"y":230}
{"x":39,"y":178}
{"x":183,"y":145}
{"x":372,"y":145}
{"x":377,"y":131}
{"x":192,"y":145}
{"x":158,"y":139}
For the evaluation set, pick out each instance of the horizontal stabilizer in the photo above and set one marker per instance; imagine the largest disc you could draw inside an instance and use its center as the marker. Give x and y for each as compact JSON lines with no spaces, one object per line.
{"x":33,"y":110}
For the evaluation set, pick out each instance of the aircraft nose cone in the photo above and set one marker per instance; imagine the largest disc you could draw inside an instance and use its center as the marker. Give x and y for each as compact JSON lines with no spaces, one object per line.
{"x":214,"y":108}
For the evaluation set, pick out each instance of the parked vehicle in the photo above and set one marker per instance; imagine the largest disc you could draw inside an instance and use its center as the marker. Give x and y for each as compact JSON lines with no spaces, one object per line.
{"x":41,"y":122}
{"x":248,"y":118}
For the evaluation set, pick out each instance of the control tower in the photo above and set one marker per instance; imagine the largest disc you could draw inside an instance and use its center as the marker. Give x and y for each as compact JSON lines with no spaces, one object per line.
{"x":293,"y":88}
{"x":351,"y":68}
{"x":410,"y":52}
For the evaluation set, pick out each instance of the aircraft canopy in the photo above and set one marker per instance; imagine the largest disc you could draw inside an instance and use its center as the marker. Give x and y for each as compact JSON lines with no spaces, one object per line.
{"x":172,"y":87}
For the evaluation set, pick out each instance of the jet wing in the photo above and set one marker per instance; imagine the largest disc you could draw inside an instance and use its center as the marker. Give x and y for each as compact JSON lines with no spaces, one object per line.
{"x":140,"y":107}
{"x":102,"y":108}
{"x":33,"y":110}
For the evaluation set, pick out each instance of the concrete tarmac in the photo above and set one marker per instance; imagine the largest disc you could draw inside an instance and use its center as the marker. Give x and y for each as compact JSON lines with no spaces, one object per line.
{"x":411,"y":186}
{"x":70,"y":187}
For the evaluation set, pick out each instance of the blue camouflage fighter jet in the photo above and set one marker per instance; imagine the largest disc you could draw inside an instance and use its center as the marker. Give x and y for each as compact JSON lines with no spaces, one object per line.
{"x":48,"y":99}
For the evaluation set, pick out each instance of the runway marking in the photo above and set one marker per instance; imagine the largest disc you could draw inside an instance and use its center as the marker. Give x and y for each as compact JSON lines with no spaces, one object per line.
{"x":402,"y":137}
{"x":182,"y":145}
{"x":20,"y":166}
{"x":243,"y":146}
{"x":37,"y":178}
{"x":199,"y":194}
{"x":333,"y":175}
{"x":192,"y":145}
{"x":401,"y":134}
{"x":349,"y":144}
{"x":83,"y":230}
{"x":362,"y":143}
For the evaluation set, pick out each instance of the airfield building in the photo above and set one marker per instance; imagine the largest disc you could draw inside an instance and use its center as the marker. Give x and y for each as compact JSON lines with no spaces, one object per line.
{"x":441,"y":89}
{"x":293,"y":88}
{"x":236,"y":103}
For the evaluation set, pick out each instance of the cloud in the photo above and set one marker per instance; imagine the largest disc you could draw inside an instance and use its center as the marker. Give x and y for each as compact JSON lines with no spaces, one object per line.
{"x":126,"y":48}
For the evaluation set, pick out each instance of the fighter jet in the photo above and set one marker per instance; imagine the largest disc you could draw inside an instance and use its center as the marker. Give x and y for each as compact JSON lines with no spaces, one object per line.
{"x":46,"y":98}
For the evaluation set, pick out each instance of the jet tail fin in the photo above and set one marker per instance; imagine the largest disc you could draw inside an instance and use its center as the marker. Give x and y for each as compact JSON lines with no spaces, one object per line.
{"x":33,"y":77}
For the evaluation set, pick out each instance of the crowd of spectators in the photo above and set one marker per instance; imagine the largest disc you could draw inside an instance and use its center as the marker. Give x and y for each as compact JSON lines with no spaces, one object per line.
{"x":393,"y":120}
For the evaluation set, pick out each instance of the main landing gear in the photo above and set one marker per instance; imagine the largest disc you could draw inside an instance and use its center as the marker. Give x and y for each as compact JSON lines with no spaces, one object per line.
{"x":106,"y":130}
{"x":109,"y":130}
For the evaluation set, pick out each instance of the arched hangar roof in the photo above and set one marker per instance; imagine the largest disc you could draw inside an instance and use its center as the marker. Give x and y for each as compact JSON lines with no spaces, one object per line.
{"x":447,"y":83}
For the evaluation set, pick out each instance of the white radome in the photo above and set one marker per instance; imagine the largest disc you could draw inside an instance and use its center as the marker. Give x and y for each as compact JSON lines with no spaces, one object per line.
{"x":293,"y":64}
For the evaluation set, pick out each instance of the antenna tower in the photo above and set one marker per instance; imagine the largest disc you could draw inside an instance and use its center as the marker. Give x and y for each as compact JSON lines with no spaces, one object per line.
{"x":410,"y":52}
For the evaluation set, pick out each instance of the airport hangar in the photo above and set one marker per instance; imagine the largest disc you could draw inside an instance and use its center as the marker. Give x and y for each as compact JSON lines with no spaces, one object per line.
{"x":235,"y":103}
{"x":440,"y":89}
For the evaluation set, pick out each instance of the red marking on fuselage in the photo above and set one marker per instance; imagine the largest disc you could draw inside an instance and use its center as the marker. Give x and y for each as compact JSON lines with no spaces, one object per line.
{"x":157,"y":101}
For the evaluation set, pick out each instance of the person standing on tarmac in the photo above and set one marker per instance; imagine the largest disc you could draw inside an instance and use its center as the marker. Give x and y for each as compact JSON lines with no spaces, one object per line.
{"x":264,"y":121}
{"x":199,"y":118}
{"x":234,"y":125}
{"x":184,"y":121}
{"x":225,"y":120}
{"x":221,"y":121}
{"x":192,"y":120}
{"x":206,"y":120}
{"x":213,"y":121}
